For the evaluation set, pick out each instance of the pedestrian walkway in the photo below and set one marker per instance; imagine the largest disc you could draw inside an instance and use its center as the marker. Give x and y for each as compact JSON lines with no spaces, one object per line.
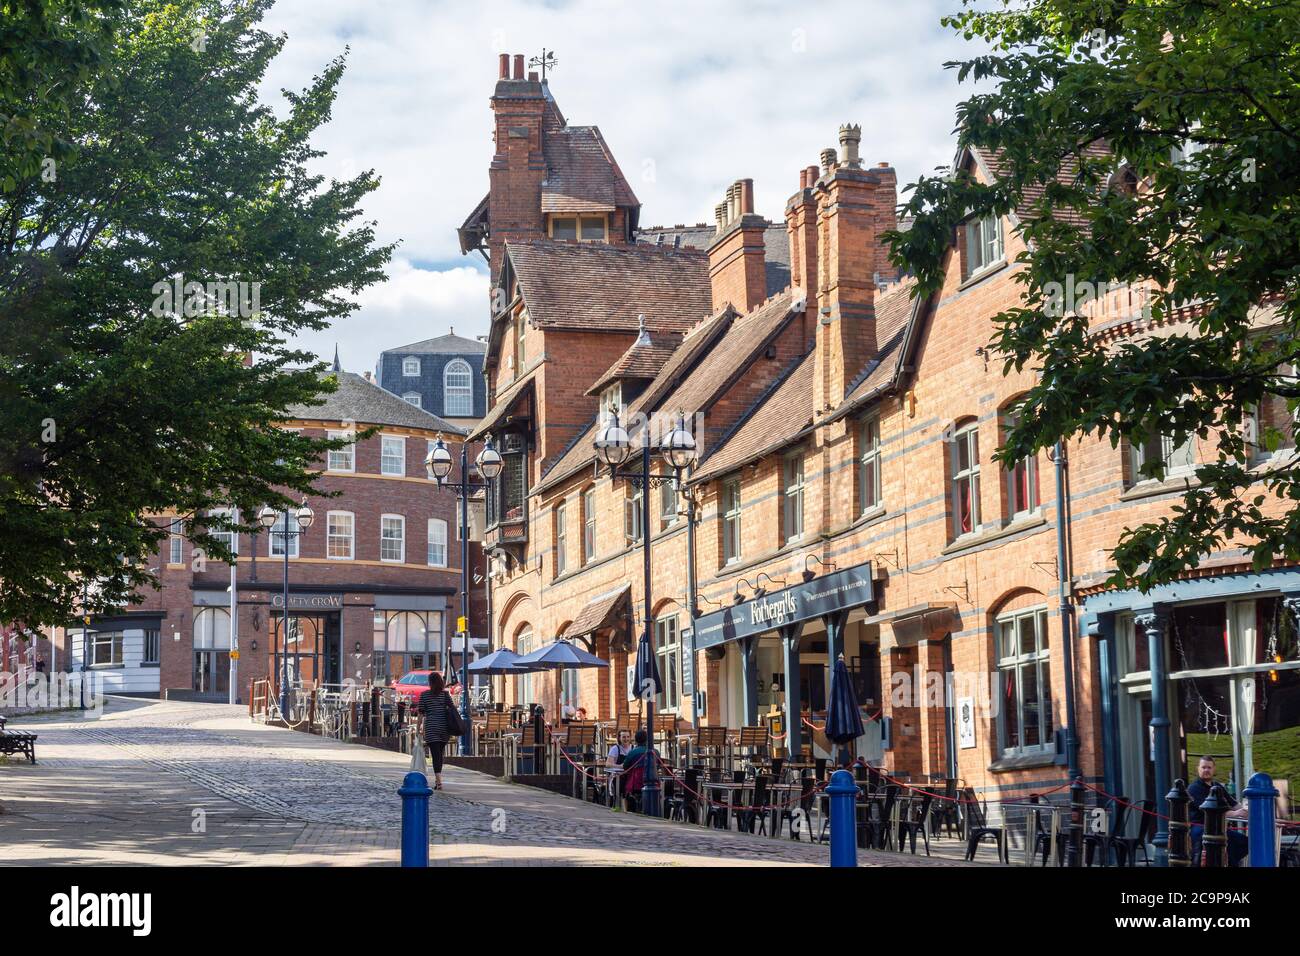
{"x":167,"y":782}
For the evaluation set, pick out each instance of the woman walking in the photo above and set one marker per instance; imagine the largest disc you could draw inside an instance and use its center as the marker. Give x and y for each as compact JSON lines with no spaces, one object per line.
{"x":441,"y":722}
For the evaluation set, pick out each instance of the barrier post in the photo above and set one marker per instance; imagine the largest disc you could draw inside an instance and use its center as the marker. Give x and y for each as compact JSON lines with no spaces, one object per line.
{"x":1261,"y":797}
{"x":415,"y":795}
{"x":1074,"y":848}
{"x":1180,"y":851}
{"x":843,"y":793}
{"x":1214,"y":844}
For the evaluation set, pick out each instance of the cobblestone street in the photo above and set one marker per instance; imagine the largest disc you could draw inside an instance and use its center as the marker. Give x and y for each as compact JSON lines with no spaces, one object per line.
{"x":154,"y":782}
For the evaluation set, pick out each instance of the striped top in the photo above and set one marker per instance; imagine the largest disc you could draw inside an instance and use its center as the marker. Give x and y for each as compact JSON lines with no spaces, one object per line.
{"x":433,"y":708}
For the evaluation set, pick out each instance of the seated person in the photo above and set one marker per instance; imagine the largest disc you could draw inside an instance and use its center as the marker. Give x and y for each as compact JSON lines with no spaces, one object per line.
{"x":634,"y":764}
{"x":618,"y":751}
{"x":1199,"y":790}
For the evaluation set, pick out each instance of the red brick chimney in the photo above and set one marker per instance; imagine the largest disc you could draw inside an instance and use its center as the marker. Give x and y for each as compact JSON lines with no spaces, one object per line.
{"x":737,"y":260}
{"x":854,"y":207}
{"x":801,"y":226}
{"x":518,"y":167}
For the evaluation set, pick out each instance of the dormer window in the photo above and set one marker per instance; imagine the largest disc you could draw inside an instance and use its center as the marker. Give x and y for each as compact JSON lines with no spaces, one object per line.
{"x":580,"y":228}
{"x":611,"y":400}
{"x":983,"y":244}
{"x":410,"y":365}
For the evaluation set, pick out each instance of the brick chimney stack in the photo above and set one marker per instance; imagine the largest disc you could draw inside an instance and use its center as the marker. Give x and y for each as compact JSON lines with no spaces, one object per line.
{"x":521,"y":111}
{"x":854,"y":206}
{"x":801,"y":227}
{"x":737,"y":258}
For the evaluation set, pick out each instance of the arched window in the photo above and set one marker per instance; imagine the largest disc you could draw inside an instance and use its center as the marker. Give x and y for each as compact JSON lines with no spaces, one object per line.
{"x":1022,"y":477}
{"x":458,"y":389}
{"x":964,"y":477}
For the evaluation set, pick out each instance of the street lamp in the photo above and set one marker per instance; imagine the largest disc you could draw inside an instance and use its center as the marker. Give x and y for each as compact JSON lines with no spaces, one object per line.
{"x":437,"y":464}
{"x":267,"y":518}
{"x":614,"y":446}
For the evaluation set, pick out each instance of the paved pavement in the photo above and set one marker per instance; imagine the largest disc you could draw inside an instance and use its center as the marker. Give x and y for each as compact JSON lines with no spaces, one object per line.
{"x":154,"y":782}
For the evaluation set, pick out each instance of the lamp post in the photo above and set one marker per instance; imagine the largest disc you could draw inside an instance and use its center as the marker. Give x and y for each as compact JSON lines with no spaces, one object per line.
{"x":267,"y":518}
{"x":437,"y":465}
{"x":614,"y":446}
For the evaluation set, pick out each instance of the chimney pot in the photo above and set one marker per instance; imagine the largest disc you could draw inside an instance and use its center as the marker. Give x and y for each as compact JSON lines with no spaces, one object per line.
{"x":828,"y":161}
{"x":720,"y":215}
{"x":850,"y":139}
{"x":812,"y":176}
{"x":532,"y":76}
{"x":503,"y":70}
{"x":746,"y":197}
{"x":519,"y":66}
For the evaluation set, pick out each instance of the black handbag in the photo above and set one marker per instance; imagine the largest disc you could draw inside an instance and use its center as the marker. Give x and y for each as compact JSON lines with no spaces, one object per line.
{"x":455,"y":723}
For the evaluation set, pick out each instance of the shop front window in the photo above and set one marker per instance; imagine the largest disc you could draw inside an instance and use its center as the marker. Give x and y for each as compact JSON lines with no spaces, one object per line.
{"x":1025,"y":711}
{"x":405,"y":641}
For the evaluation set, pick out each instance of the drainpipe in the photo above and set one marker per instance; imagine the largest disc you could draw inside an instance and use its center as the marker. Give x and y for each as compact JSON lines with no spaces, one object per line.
{"x":692,"y":608}
{"x":1064,"y":574}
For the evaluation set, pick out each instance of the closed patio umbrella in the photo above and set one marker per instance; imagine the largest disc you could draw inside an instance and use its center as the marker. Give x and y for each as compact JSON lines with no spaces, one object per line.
{"x":843,"y":718}
{"x":647,"y":669}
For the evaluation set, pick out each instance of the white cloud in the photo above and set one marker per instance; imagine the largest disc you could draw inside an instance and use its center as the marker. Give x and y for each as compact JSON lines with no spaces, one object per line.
{"x":689,"y":95}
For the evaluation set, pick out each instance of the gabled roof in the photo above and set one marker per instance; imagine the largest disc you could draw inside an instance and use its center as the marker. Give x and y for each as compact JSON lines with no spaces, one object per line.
{"x":449,"y":344}
{"x":505,"y":402}
{"x":776,"y":419}
{"x":894,"y":309}
{"x":474,"y":230}
{"x":599,"y":287}
{"x":640,"y":361}
{"x":366,"y":403}
{"x":995,"y":165}
{"x":697,"y":343}
{"x":581,"y":173}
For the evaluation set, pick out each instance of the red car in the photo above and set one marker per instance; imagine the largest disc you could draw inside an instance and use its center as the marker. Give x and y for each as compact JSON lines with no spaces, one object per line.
{"x":414,"y":683}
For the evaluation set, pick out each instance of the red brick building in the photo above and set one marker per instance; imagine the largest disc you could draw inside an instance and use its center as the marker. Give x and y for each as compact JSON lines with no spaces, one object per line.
{"x":374,"y":582}
{"x":845,"y":497}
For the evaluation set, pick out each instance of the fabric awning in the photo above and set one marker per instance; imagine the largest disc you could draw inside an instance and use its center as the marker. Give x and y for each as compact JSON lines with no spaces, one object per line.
{"x":923,"y":622}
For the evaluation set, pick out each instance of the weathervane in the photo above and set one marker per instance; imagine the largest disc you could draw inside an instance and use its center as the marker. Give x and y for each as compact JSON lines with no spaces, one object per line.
{"x":544,"y":62}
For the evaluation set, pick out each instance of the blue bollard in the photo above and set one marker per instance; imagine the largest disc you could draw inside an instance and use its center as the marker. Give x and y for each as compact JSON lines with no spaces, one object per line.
{"x":844,"y":794}
{"x":1261,"y":796}
{"x":415,"y":794}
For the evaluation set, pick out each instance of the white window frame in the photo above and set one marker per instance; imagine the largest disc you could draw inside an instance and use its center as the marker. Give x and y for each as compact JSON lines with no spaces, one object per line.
{"x":985,"y":248}
{"x":1040,"y":660}
{"x":275,"y":540}
{"x":384,"y":457}
{"x":730,"y":512}
{"x":383,"y":527}
{"x":792,"y":497}
{"x":176,"y":542}
{"x":331,"y":537}
{"x":463,"y":406}
{"x":668,"y":503}
{"x":1015,"y":507}
{"x":668,"y":655}
{"x":410,"y":366}
{"x":968,"y":435}
{"x":561,"y":519}
{"x":413,"y":398}
{"x":524,"y":682}
{"x":229,"y":538}
{"x":336,"y":458}
{"x":632,"y":529}
{"x":1143,"y":448}
{"x":437,"y":525}
{"x":869,"y":479}
{"x":588,"y":525}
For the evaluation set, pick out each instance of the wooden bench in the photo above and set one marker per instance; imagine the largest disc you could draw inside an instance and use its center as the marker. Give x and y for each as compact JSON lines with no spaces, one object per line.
{"x":17,"y":742}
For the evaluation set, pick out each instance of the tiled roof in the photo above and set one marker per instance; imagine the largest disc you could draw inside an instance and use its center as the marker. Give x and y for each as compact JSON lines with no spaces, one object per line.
{"x":776,"y":247}
{"x":581,"y":173}
{"x":504,"y":403}
{"x":599,"y":613}
{"x":639,"y":361}
{"x":366,"y":403}
{"x":893,"y":310}
{"x":731,"y":355}
{"x":594,"y":286}
{"x":696,"y":343}
{"x":775,"y":420}
{"x":449,"y":344}
{"x":995,"y":163}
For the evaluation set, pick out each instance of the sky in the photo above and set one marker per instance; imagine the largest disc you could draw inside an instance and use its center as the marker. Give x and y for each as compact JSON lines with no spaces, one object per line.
{"x":690,"y":96}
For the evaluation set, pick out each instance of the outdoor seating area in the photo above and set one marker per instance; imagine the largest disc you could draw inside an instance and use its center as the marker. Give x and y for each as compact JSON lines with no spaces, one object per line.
{"x":17,"y":743}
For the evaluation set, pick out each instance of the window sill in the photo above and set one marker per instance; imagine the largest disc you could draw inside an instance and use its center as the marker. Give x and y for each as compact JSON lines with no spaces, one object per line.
{"x":1150,"y":487}
{"x":975,"y":278}
{"x":985,"y":535}
{"x":1022,"y":762}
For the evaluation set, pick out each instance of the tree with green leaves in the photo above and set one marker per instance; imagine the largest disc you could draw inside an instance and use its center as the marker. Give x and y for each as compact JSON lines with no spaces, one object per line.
{"x":149,"y":289}
{"x":1146,"y":143}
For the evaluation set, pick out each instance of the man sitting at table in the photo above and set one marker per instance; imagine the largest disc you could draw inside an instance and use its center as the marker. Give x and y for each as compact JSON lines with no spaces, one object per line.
{"x":1199,"y":790}
{"x":634,"y":765}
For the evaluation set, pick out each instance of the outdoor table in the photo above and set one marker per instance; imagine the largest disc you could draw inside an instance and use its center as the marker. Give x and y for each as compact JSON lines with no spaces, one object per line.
{"x":711,"y":787}
{"x":1031,"y":832}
